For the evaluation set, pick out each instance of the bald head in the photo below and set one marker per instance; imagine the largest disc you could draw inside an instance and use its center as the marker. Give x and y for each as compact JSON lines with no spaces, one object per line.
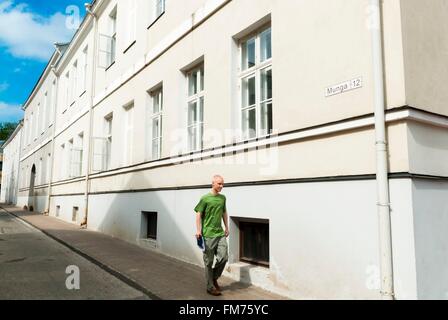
{"x":217,"y":183}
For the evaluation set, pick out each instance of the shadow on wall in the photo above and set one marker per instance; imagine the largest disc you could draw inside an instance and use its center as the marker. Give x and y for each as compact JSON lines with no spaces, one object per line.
{"x":122,"y":215}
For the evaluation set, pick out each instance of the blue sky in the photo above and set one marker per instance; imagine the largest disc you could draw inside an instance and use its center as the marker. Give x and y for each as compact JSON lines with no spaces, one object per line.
{"x":28,"y":29}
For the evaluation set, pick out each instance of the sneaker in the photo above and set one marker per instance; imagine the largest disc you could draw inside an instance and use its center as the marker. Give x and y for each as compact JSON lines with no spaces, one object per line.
{"x":215,"y":283}
{"x":213,"y":292}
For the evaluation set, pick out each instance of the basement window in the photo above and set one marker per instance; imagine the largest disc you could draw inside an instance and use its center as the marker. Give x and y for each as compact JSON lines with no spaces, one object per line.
{"x":75,"y":214}
{"x":149,"y":225}
{"x":254,"y":241}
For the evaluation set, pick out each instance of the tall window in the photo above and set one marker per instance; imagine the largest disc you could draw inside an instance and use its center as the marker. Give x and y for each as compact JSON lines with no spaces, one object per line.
{"x":132,"y":22}
{"x":37,"y":120}
{"x":69,"y":158}
{"x":74,"y":82}
{"x":84,"y":69}
{"x":40,"y":174}
{"x":195,"y":111}
{"x":76,"y":156}
{"x":113,"y":36}
{"x":67,"y":90}
{"x":47,"y":111}
{"x":160,"y":7}
{"x":108,"y":145}
{"x":52,"y":102}
{"x":256,"y":84}
{"x":156,"y":109}
{"x":62,"y":162}
{"x":128,"y":135}
{"x":48,"y":171}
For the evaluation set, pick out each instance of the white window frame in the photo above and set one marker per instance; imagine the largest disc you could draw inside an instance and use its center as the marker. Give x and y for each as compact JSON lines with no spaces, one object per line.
{"x":198,"y":124}
{"x":47,"y":111}
{"x":36,"y":127}
{"x":74,"y":82}
{"x":113,"y":36}
{"x":76,"y":156}
{"x":69,"y":159}
{"x":108,"y":127}
{"x":52,"y":103}
{"x":159,"y":8}
{"x":62,"y":162}
{"x":67,"y":91}
{"x":85,"y":63}
{"x":48,"y":173}
{"x":253,"y":72}
{"x":155,"y":95}
{"x":131,"y":32}
{"x":129,"y":133}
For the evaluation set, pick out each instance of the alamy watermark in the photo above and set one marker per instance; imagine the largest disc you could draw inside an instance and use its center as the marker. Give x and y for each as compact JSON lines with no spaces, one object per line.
{"x":73,"y":281}
{"x":73,"y":17}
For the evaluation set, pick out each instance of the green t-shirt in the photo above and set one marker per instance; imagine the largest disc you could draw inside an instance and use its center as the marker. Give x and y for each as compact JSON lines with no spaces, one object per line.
{"x":212,"y":208}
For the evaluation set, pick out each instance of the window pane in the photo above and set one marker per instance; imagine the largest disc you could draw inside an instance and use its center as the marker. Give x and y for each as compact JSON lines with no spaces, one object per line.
{"x":255,"y":237}
{"x":248,"y":54}
{"x":201,"y":110}
{"x":155,"y":148}
{"x":192,"y":113}
{"x":249,"y":123}
{"x":156,"y":103}
{"x":192,"y":83}
{"x":265,"y":45}
{"x":192,"y":137}
{"x":248,"y":91}
{"x":155,"y":128}
{"x":160,"y":100}
{"x":201,"y":79}
{"x":200,"y":135}
{"x":266,"y":118}
{"x":266,"y":84}
{"x":160,"y":7}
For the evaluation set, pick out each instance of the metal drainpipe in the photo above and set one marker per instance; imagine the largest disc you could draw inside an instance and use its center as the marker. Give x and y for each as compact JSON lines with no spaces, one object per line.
{"x":55,"y":102}
{"x":92,"y":94}
{"x":383,"y":205}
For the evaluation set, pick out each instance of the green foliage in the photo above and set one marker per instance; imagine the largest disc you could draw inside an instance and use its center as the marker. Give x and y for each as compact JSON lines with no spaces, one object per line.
{"x":6,"y":129}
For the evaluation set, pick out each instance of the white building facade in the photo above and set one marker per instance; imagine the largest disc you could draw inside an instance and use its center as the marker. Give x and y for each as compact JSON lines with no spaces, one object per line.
{"x":150,"y":99}
{"x":11,"y":161}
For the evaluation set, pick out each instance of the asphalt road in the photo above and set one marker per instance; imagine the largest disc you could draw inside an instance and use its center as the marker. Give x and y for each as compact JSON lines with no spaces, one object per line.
{"x":34,"y":266}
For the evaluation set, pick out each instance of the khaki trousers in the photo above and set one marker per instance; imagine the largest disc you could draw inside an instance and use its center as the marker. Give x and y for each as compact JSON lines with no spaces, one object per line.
{"x":214,"y":247}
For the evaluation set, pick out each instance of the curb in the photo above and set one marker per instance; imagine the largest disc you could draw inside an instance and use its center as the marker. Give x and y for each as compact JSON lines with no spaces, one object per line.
{"x":129,"y":281}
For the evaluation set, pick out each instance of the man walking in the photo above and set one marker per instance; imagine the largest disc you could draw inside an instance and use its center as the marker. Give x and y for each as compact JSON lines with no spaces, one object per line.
{"x":209,"y":212}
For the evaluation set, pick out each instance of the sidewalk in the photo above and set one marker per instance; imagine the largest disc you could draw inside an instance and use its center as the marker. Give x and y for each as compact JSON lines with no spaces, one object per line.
{"x":157,"y":275}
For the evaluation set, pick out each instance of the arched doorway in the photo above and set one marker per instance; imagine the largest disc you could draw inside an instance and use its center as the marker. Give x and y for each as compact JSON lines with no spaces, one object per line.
{"x":31,"y":196}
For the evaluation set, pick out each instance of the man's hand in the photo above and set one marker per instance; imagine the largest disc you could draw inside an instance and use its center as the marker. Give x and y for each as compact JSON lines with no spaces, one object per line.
{"x":226,"y":232}
{"x":198,"y":235}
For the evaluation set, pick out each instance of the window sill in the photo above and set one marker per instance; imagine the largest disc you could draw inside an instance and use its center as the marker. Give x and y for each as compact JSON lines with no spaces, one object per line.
{"x":148,"y":243}
{"x":255,"y":263}
{"x":110,"y":66}
{"x":246,"y":272}
{"x":129,"y":47}
{"x":155,"y":20}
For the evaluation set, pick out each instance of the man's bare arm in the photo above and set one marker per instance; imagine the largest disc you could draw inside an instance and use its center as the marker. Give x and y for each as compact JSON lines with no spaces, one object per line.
{"x":225,"y":218}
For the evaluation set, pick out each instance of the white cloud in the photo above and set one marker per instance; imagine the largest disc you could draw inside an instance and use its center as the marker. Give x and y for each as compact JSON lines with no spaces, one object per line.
{"x":29,"y":35}
{"x":10,"y":112}
{"x":4,"y":86}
